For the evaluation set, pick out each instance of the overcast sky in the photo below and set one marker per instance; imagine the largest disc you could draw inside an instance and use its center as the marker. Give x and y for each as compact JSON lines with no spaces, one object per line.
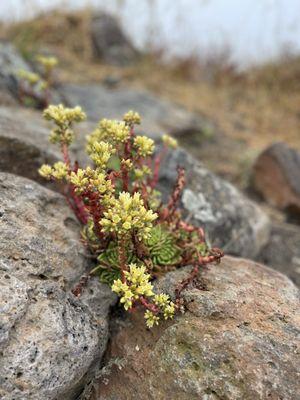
{"x":254,"y":30}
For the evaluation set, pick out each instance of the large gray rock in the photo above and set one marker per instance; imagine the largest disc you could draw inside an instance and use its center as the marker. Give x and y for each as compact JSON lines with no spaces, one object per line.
{"x":230,"y":220}
{"x":50,"y":341}
{"x":110,"y":43}
{"x":276,"y":177}
{"x":237,"y":340}
{"x":159,"y":116}
{"x":24,"y":144}
{"x":282,"y":251}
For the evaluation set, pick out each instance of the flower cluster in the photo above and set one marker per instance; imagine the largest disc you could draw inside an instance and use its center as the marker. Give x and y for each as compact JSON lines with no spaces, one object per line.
{"x":58,"y":171}
{"x":169,"y":141}
{"x":31,"y":77}
{"x":137,"y":286}
{"x":110,"y":130}
{"x":132,"y":118}
{"x":63,"y":118}
{"x":47,"y":62}
{"x":144,"y":146}
{"x":90,"y":180}
{"x":100,"y":153}
{"x":128,"y":213}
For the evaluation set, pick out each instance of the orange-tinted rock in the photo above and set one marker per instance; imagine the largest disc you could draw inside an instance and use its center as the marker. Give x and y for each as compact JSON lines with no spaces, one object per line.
{"x":277,"y":177}
{"x":237,"y":340}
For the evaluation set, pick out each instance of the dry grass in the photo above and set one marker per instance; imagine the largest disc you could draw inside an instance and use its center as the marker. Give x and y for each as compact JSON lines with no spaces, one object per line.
{"x":251,"y":110}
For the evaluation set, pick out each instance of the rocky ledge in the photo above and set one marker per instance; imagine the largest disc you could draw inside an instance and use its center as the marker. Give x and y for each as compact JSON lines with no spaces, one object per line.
{"x":238,"y":339}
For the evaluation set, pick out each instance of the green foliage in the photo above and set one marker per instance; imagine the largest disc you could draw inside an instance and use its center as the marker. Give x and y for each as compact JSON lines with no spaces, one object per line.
{"x":109,"y":262}
{"x":162,"y":246}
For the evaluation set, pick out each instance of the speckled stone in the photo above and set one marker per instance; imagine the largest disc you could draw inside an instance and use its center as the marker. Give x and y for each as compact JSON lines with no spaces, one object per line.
{"x":51,"y":343}
{"x":230,"y":220}
{"x":238,"y":340}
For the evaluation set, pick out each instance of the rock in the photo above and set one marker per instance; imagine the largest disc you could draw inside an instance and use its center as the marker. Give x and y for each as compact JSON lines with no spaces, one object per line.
{"x":237,"y":340}
{"x":110,"y":43}
{"x":24,"y":144}
{"x":10,"y":63}
{"x":230,"y":220}
{"x":158,"y":116}
{"x":50,"y":342}
{"x":282,"y":251}
{"x":276,"y":177}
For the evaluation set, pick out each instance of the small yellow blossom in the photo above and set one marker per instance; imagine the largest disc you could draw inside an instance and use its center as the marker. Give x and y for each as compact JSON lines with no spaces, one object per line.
{"x":170,"y":141}
{"x":47,"y":62}
{"x":45,"y":171}
{"x":91,"y":179}
{"x":151,"y":319}
{"x":117,"y":131}
{"x":125,"y":293}
{"x":137,"y":284}
{"x":139,"y":280}
{"x":166,"y":305}
{"x":31,"y":77}
{"x":58,"y":171}
{"x":132,"y":118}
{"x":140,"y":173}
{"x":63,"y":116}
{"x":100,"y":153}
{"x":144,"y":145}
{"x":127,"y":163}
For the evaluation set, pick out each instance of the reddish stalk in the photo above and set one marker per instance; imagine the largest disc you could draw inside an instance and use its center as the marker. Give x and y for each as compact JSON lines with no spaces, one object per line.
{"x":168,"y":212}
{"x":157,"y":163}
{"x":150,"y":306}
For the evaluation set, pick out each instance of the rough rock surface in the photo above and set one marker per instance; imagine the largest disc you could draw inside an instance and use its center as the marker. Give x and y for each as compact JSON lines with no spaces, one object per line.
{"x":10,"y":63}
{"x":24,"y":144}
{"x":110,"y":42}
{"x":282,"y":251}
{"x":159,"y":116}
{"x":231,"y":221}
{"x":50,"y":342}
{"x":236,"y":341}
{"x":276,"y":177}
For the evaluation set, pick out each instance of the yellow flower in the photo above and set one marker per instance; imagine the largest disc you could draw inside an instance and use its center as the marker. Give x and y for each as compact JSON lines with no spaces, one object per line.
{"x":118,"y":131}
{"x":140,"y":173}
{"x":84,"y":179}
{"x":31,"y":77}
{"x":132,"y":118}
{"x":144,"y":145}
{"x":170,"y":141}
{"x":47,"y":62}
{"x":100,"y":153}
{"x":64,"y":116}
{"x":132,"y":216}
{"x":45,"y":171}
{"x":151,"y":319}
{"x":58,"y":171}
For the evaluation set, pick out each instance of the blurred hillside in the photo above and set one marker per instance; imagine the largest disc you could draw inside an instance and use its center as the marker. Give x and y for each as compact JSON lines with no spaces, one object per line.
{"x":250,"y":109}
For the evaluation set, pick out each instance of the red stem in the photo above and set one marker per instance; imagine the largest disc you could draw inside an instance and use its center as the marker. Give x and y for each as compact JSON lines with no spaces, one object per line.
{"x":157,"y":163}
{"x":150,"y":306}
